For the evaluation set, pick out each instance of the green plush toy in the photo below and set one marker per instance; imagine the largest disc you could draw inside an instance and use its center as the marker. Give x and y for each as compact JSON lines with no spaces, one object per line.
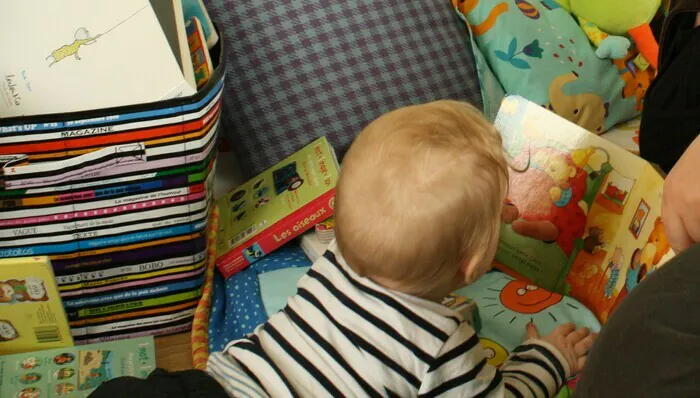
{"x":605,"y":22}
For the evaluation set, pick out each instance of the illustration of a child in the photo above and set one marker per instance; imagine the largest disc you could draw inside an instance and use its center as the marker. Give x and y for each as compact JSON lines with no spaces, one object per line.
{"x":615,"y":265}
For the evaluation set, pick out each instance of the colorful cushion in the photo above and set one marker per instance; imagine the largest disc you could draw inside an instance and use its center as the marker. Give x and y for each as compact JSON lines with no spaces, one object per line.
{"x":537,"y":50}
{"x":300,"y":69}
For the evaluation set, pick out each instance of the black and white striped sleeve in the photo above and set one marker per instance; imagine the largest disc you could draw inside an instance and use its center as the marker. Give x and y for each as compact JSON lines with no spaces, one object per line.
{"x":535,"y":369}
{"x":460,"y":369}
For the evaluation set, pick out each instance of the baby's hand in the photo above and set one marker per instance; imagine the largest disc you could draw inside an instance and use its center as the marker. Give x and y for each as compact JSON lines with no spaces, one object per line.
{"x":572,"y":344}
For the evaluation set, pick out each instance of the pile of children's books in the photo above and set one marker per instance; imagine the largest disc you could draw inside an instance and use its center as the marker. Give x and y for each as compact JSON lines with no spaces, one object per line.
{"x":78,"y":55}
{"x":118,"y":198}
{"x":37,"y":357}
{"x":74,"y":371}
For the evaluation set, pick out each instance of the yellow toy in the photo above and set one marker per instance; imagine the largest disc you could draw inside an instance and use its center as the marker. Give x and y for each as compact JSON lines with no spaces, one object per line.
{"x":605,"y":22}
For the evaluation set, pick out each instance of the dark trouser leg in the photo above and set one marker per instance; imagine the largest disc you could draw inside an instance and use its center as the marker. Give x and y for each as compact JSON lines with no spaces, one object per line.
{"x":651,"y":345}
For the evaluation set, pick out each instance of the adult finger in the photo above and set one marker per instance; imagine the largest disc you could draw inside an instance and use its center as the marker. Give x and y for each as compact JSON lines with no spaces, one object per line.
{"x":674,"y":226}
{"x":580,"y":363}
{"x":540,"y":230}
{"x":531,"y":331}
{"x":584,"y":346}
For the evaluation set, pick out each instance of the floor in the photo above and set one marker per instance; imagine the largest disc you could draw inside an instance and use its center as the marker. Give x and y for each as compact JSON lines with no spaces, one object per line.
{"x":174,"y":352}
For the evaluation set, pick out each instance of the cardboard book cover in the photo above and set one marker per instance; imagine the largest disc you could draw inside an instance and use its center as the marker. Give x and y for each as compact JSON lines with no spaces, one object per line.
{"x":74,"y":371}
{"x":276,"y":206}
{"x":86,"y":53}
{"x":597,"y":208}
{"x":31,"y":312}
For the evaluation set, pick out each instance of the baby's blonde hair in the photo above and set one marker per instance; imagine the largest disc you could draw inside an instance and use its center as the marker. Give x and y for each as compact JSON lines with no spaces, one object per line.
{"x":420,"y":193}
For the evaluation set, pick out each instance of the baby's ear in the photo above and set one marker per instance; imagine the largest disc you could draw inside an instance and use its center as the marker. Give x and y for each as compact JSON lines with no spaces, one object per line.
{"x":472,"y":269}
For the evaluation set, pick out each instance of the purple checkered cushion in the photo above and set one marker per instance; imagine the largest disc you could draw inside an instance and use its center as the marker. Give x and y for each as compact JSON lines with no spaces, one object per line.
{"x":299,"y":69}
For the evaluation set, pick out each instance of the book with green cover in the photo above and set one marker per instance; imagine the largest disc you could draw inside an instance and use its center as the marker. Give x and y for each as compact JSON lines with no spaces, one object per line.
{"x":276,"y":206}
{"x":74,"y":371}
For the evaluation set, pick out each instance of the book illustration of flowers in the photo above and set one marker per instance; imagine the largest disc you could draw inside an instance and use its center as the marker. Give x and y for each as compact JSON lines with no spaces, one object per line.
{"x":532,"y":50}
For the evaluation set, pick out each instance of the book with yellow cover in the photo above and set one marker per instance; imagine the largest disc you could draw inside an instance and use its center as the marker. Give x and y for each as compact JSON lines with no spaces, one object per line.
{"x":31,"y":312}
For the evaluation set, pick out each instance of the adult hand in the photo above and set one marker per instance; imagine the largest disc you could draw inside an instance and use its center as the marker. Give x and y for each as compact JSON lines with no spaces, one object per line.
{"x":539,"y":230}
{"x":681,"y":200}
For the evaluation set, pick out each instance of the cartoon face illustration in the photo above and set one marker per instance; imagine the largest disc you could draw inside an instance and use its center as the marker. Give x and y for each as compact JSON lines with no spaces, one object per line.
{"x":494,"y":352}
{"x":63,"y":359}
{"x":555,"y":165}
{"x":7,"y":331}
{"x":64,"y":389}
{"x":520,"y":296}
{"x":30,"y":378}
{"x":7,"y":293}
{"x":64,"y":373}
{"x":29,"y":392}
{"x":30,"y":363}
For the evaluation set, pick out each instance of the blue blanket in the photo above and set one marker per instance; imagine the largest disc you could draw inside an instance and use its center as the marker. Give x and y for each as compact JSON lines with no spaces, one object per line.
{"x":237,"y":305}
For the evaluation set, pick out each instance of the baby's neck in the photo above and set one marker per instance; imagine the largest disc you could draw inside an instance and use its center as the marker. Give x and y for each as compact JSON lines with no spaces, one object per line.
{"x":436,"y":295}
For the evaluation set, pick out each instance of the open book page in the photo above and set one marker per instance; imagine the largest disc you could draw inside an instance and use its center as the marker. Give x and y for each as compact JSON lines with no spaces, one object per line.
{"x":583,"y":189}
{"x":601,"y":278}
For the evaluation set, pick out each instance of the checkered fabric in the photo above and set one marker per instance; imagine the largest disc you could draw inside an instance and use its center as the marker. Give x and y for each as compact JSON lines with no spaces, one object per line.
{"x":299,"y":69}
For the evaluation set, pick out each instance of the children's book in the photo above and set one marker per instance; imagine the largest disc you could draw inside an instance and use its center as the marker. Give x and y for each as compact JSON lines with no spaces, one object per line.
{"x":75,"y":371}
{"x":199,"y":53}
{"x":31,"y":312}
{"x":594,"y":209}
{"x":276,"y":206}
{"x":195,"y":8}
{"x":78,"y":55}
{"x":172,"y":20}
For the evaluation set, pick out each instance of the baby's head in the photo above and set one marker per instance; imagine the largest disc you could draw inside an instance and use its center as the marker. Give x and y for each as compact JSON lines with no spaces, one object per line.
{"x":418,"y":203}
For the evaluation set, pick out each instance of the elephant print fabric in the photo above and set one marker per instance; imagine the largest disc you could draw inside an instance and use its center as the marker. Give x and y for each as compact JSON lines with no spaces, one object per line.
{"x":537,"y":50}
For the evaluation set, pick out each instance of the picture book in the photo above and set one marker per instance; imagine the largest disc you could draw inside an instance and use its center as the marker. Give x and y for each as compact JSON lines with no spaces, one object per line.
{"x":588,"y":221}
{"x":172,"y":21}
{"x":88,"y":55}
{"x":276,"y":206}
{"x":195,"y":8}
{"x":199,"y":53}
{"x":75,"y":371}
{"x":31,"y":312}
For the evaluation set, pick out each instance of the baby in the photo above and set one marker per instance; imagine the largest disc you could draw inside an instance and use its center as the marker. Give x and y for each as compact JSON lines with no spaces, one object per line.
{"x":418,"y":211}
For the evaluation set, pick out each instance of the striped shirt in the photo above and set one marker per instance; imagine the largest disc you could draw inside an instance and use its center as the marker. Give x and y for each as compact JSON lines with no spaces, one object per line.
{"x":343,"y":335}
